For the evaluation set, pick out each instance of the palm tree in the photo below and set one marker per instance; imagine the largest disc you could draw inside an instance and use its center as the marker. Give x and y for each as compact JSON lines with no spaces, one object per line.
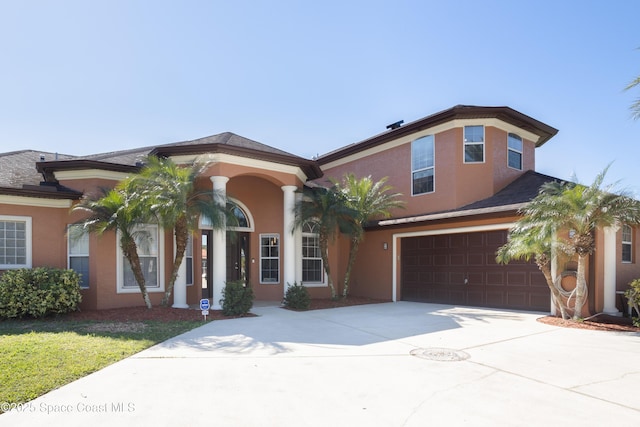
{"x":368,"y":200}
{"x":527,"y":240}
{"x":635,"y":106}
{"x":580,"y":210}
{"x":329,"y":210}
{"x":168,"y":191}
{"x":118,"y":210}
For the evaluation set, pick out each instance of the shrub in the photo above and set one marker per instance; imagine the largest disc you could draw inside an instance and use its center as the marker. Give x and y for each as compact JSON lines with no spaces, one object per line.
{"x":39,"y":292}
{"x":633,"y":296}
{"x":237,"y":298}
{"x":297,"y":297}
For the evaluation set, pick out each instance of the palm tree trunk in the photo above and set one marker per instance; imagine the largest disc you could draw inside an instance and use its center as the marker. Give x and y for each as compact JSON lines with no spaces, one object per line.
{"x":131,"y":253}
{"x":545,"y":268}
{"x":355,"y":243}
{"x":324,"y":254}
{"x":181,"y":233}
{"x":581,"y":287}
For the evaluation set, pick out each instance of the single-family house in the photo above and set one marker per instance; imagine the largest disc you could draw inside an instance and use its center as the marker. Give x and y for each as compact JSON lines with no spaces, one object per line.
{"x":463,"y":172}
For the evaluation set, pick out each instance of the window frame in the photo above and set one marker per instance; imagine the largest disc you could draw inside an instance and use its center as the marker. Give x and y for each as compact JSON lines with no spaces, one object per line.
{"x":430,"y":166}
{"x":510,"y":149}
{"x":28,"y":241}
{"x":473,"y":143}
{"x":121,"y":263}
{"x":627,"y":243}
{"x":263,"y":258}
{"x":84,"y":280}
{"x":311,"y":233}
{"x":188,"y":261}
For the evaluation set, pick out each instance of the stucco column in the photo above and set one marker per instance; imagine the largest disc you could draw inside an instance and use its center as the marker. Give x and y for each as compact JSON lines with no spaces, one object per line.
{"x":219,"y":245}
{"x":297,"y":235}
{"x":610,"y":271}
{"x":180,"y":286}
{"x":288,"y":238}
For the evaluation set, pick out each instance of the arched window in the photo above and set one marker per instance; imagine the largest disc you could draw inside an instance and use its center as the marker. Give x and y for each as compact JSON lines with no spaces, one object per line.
{"x":243,"y":217}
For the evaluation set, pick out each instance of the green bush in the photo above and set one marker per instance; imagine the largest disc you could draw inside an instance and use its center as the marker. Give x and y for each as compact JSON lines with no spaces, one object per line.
{"x":38,"y":292}
{"x":237,"y":298}
{"x":297,"y":297}
{"x":633,"y":296}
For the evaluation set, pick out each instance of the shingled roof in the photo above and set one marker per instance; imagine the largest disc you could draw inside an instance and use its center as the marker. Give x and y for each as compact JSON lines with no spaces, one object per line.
{"x":511,"y":198}
{"x":25,"y":169}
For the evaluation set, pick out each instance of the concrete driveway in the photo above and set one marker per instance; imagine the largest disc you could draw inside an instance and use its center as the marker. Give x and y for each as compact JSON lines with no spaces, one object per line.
{"x":395,"y":364}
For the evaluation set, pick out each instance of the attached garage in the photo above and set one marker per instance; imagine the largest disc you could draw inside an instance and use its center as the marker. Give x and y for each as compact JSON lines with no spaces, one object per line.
{"x":460,"y":269}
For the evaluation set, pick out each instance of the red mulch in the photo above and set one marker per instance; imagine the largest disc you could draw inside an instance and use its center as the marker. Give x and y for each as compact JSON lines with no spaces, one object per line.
{"x":601,"y":322}
{"x":138,"y":314}
{"x":167,"y":314}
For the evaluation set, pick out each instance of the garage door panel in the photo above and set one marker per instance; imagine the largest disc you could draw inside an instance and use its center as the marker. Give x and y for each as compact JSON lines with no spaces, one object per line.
{"x":495,"y":298}
{"x":475,"y":298}
{"x":517,"y":278}
{"x":442,"y":263}
{"x":457,"y":260}
{"x":456,"y":277}
{"x":517,"y":299}
{"x":495,"y":278}
{"x":476,"y":259}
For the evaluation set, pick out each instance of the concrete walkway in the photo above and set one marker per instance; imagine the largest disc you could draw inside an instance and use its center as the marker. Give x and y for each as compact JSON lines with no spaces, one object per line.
{"x":394,"y":364}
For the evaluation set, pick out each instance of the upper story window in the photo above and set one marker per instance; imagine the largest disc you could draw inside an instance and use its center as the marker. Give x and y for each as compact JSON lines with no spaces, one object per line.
{"x":514,"y":151}
{"x":627,"y":243}
{"x":78,"y":253}
{"x":15,"y":242}
{"x":422,"y":165}
{"x":474,"y":144}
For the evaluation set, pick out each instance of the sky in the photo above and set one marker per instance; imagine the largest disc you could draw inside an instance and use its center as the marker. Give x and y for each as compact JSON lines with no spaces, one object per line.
{"x":308,"y":77}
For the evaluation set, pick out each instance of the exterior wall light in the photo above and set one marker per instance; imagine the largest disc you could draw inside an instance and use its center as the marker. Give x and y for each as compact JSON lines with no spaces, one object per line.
{"x":385,"y":246}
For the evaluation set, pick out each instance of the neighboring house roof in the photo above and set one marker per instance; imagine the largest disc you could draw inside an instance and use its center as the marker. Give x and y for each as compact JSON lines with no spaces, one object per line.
{"x":19,"y":176}
{"x":506,"y":114}
{"x":511,"y":198}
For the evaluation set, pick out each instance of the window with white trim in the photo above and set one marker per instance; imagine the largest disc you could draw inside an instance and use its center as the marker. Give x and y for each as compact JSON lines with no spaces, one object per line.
{"x":150,"y":252}
{"x":422,"y":165}
{"x":474,"y":144}
{"x":269,"y":258}
{"x":627,"y":244}
{"x":514,"y":151}
{"x":78,"y":253}
{"x":188,"y":260}
{"x":312,"y":269}
{"x":15,"y":242}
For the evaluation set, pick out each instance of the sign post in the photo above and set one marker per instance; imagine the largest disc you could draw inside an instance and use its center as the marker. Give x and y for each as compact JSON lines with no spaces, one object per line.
{"x":204,"y":306}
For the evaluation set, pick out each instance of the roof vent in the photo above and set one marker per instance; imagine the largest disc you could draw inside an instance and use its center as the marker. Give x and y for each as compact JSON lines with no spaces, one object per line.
{"x":395,"y":125}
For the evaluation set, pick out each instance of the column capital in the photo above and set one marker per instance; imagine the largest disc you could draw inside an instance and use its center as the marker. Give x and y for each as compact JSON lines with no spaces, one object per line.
{"x":218,"y":179}
{"x":289,"y":188}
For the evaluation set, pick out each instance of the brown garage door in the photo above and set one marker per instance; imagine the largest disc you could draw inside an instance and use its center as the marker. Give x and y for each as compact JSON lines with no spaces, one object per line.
{"x":460,"y":269}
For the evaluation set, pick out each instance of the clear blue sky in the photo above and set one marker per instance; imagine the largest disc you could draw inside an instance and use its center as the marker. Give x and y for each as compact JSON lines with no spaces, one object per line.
{"x":81,"y":77}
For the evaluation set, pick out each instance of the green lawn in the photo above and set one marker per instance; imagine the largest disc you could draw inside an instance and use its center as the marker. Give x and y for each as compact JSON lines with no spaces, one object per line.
{"x":39,"y":356}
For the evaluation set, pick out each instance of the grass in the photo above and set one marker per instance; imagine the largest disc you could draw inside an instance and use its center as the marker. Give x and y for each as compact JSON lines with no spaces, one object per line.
{"x":37,"y":356}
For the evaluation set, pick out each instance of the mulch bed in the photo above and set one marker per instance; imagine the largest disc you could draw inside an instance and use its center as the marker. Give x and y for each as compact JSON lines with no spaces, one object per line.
{"x":139,"y":314}
{"x":601,"y":322}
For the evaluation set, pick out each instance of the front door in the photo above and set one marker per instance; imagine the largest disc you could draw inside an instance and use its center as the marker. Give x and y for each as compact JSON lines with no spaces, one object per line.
{"x":237,"y":256}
